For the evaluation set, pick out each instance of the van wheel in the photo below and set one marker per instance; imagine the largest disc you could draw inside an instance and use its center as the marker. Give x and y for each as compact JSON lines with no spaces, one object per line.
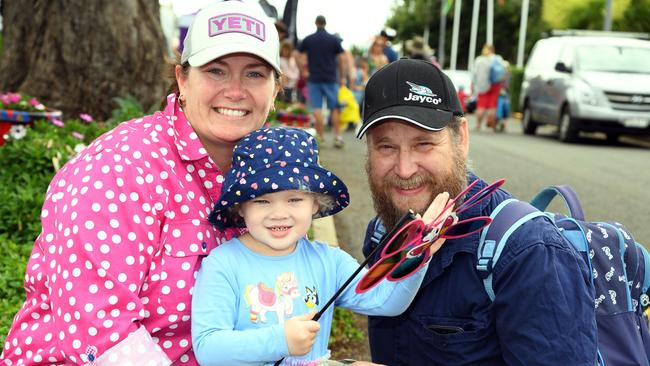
{"x":568,"y":132}
{"x":612,"y":137}
{"x":527,"y":124}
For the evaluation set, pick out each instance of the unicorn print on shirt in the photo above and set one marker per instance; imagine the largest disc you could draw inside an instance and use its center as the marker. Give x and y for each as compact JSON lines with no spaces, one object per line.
{"x":261,"y":299}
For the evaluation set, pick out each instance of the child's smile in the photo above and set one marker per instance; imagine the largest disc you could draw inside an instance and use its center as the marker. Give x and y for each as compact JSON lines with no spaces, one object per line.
{"x":276,"y":221}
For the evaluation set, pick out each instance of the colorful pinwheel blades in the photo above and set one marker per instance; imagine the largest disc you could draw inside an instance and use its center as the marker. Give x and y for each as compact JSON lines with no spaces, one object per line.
{"x":392,"y":254}
{"x":478,"y":197}
{"x":409,"y":265}
{"x":377,"y":272}
{"x":466,"y":227}
{"x":408,"y":249}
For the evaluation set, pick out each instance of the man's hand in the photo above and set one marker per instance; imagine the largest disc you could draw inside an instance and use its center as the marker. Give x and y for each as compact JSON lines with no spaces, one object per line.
{"x":300,"y":332}
{"x":435,"y":212}
{"x":435,"y":208}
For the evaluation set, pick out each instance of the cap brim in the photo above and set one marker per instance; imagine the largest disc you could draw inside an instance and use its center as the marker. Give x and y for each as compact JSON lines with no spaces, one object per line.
{"x":423,"y":117}
{"x":208,"y":54}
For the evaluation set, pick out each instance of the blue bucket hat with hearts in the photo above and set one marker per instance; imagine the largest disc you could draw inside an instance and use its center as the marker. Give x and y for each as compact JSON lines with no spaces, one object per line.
{"x":271,"y":160}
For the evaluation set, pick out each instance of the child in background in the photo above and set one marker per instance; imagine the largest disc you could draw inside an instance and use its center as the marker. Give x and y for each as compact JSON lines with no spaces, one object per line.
{"x":462,"y":97}
{"x":255,"y":296}
{"x":290,"y":71}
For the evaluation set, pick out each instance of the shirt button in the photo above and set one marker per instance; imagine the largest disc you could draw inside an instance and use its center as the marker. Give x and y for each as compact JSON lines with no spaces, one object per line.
{"x":204,"y":245}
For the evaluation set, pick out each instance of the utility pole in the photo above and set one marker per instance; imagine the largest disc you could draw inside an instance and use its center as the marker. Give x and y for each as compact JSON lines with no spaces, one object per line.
{"x":454,"y":35}
{"x":472,"y":36}
{"x":427,"y":19}
{"x":489,"y":36}
{"x":442,"y":34}
{"x":523,"y":24}
{"x":608,"y":15}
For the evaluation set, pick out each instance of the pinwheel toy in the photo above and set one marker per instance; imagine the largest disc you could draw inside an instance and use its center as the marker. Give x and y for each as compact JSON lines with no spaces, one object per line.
{"x":406,"y":250}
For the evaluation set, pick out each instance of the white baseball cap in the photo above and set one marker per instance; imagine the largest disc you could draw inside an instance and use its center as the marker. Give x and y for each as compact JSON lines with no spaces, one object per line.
{"x":231,"y":27}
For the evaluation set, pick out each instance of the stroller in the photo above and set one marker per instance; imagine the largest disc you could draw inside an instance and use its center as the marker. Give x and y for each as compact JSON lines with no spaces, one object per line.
{"x":503,"y":110}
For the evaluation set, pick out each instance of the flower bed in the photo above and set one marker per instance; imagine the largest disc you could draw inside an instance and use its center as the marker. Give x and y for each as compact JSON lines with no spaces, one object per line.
{"x":293,"y":119}
{"x":19,"y":110}
{"x":295,"y":115}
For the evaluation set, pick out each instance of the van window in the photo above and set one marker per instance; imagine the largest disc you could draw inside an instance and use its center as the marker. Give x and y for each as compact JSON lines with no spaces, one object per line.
{"x":566,"y":56}
{"x":614,"y":58}
{"x":544,"y":56}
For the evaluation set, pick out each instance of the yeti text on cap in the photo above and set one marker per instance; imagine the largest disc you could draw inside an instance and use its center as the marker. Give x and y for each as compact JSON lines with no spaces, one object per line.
{"x":237,"y":23}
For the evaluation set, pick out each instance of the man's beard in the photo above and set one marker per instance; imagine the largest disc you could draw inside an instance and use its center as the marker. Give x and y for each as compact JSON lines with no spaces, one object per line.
{"x":453,"y":183}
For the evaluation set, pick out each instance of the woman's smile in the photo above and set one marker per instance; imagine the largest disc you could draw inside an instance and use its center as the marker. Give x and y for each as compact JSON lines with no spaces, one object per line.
{"x":230,"y":112}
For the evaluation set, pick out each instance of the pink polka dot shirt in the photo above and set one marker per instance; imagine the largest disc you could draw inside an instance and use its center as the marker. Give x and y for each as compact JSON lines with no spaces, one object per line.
{"x":125,"y":228}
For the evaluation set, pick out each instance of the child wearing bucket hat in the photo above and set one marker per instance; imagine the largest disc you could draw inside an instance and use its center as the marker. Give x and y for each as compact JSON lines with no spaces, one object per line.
{"x":255,"y":295}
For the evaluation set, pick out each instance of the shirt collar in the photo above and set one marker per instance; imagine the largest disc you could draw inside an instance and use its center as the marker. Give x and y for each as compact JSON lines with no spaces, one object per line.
{"x":186,"y":140}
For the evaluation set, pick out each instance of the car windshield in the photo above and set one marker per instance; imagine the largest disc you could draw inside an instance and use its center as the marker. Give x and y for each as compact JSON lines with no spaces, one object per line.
{"x":614,"y":59}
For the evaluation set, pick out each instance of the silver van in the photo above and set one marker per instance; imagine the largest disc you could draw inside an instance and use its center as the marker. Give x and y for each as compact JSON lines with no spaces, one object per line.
{"x":588,"y":83}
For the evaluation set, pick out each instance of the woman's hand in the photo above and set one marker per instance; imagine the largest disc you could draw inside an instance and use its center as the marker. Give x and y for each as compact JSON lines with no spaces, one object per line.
{"x":300,"y":332}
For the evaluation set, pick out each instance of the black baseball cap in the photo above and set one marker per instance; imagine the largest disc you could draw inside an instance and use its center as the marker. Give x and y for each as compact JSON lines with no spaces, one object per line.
{"x":414,"y":91}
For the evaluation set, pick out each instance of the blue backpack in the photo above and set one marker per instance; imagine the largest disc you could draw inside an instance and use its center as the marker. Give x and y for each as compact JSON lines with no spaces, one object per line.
{"x":619,"y":267}
{"x":497,"y":70}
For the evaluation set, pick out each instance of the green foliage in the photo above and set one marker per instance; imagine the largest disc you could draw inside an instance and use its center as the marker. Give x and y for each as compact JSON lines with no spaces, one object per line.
{"x":127,"y":109}
{"x":357,"y":50}
{"x":587,"y":15}
{"x":344,"y":329}
{"x":410,"y":19}
{"x":13,"y":259}
{"x":516,"y":77}
{"x":636,"y":18}
{"x":28,"y":165}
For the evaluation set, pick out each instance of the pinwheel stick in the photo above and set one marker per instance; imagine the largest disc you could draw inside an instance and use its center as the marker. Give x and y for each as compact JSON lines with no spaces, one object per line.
{"x":409,"y":216}
{"x":405,"y":219}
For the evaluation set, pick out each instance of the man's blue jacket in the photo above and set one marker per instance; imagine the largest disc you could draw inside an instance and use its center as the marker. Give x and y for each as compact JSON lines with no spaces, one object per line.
{"x":543,"y":312}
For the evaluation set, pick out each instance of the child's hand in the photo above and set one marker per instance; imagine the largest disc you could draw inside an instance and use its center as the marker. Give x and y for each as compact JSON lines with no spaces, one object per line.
{"x":300,"y":332}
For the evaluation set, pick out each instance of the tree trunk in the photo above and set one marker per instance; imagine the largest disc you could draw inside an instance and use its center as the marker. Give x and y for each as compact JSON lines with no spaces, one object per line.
{"x":76,"y":55}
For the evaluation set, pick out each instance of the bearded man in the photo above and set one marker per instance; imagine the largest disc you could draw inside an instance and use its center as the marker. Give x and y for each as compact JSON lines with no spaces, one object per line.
{"x":543,"y":309}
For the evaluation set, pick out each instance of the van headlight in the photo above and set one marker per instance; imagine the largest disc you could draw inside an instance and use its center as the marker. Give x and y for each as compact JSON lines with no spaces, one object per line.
{"x":585,"y":93}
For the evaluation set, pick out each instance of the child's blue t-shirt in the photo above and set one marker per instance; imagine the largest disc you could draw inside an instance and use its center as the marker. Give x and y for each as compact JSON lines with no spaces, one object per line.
{"x":241,"y":299}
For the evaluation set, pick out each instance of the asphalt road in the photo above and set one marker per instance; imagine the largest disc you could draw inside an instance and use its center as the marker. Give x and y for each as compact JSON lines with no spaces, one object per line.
{"x":612,"y":180}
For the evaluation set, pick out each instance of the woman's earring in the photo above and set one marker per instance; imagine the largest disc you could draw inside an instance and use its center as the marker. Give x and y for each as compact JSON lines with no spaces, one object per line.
{"x":181,"y":100}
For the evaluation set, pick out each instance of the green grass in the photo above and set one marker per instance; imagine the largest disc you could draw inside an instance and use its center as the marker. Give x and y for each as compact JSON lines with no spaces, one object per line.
{"x":13,"y":259}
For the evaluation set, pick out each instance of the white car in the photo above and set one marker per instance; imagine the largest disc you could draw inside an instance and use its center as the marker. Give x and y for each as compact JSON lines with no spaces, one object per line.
{"x":463,"y":79}
{"x":588,"y":83}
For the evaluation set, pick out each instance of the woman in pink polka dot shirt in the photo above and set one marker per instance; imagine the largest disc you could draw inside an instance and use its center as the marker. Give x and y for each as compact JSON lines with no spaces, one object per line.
{"x":125,"y":228}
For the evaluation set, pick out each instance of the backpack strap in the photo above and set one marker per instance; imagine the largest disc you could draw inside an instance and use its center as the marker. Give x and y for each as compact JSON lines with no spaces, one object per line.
{"x":544,"y":198}
{"x":645,"y":300}
{"x":378,"y":232}
{"x":506,"y":218}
